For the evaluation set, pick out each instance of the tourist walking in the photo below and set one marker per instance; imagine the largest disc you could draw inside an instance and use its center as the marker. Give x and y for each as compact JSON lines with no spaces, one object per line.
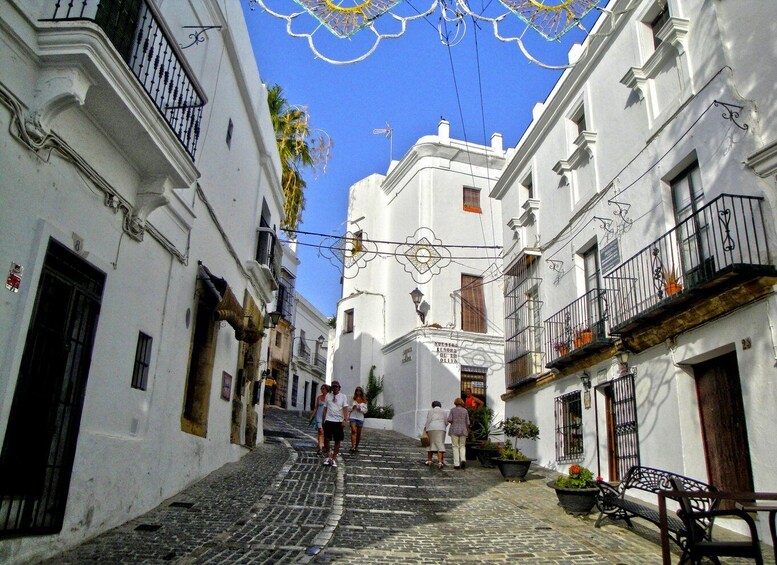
{"x":335,"y":418}
{"x":459,"y":430}
{"x":436,"y":422}
{"x":356,"y":417}
{"x":317,"y":416}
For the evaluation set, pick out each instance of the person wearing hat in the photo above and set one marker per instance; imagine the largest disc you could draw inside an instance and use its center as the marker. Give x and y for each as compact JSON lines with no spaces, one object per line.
{"x":335,"y":419}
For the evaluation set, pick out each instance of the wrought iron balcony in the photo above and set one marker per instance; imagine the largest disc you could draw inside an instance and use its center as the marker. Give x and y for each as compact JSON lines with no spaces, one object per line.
{"x":579,"y":331}
{"x":303,"y":352}
{"x":137,"y":31}
{"x":714,"y":261}
{"x":320,"y":361}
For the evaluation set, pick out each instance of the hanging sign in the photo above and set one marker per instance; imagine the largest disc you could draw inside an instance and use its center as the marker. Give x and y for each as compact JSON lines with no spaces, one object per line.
{"x":447,"y":352}
{"x":14,"y":279}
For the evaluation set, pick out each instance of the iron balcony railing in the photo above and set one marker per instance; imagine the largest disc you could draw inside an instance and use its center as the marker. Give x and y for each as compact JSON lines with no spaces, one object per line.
{"x":303,"y":352}
{"x":582,"y":322}
{"x":136,"y":30}
{"x":727,"y":234}
{"x":320,"y":361}
{"x":269,"y":251}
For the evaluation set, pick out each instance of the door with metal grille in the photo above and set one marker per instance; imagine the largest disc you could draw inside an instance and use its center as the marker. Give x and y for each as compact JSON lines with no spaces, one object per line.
{"x":623,"y":436}
{"x":40,"y":442}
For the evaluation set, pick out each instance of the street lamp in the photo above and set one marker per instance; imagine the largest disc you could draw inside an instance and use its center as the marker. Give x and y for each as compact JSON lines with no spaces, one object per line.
{"x":271,"y":320}
{"x":417,"y":296}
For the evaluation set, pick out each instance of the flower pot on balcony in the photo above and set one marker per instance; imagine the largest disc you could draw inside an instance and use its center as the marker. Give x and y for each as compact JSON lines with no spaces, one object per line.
{"x":672,"y":288}
{"x":582,"y":337}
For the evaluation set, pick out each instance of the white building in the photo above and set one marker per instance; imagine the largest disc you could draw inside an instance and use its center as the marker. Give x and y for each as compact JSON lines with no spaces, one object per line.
{"x":632,"y":177}
{"x":434,"y":205}
{"x":308,"y":355}
{"x":139,"y":209}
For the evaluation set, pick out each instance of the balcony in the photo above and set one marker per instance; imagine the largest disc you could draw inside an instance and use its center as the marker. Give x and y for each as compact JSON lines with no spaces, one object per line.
{"x":303,"y":352}
{"x":320,"y":362}
{"x":576,"y":336}
{"x":713,"y":262}
{"x":140,"y":38}
{"x":265,"y":270}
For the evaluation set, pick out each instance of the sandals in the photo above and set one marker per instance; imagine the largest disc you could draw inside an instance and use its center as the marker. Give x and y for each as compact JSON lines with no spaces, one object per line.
{"x":427,"y":463}
{"x":440,"y":465}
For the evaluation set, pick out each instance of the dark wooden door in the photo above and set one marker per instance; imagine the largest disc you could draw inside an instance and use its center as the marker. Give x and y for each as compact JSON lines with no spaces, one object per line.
{"x":722,"y":413}
{"x":40,"y":443}
{"x":612,"y":444}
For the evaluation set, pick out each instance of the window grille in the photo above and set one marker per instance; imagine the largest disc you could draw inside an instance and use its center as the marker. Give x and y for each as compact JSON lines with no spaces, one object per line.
{"x":471,"y":199}
{"x":294,"y":386}
{"x":569,"y":427}
{"x":474,"y":378}
{"x":626,"y":430}
{"x":473,"y":304}
{"x":142,"y":362}
{"x":523,"y":322}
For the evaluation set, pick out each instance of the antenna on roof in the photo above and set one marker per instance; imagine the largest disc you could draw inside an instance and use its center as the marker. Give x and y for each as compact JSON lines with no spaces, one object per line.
{"x":388,"y":131}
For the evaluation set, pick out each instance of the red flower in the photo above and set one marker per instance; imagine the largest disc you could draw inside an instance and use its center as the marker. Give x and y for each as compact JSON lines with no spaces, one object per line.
{"x":574,"y":469}
{"x":599,"y":478}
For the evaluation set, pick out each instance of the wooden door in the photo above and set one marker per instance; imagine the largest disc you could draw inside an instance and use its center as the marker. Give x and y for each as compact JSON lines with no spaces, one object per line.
{"x":612,"y":445}
{"x":724,"y":430}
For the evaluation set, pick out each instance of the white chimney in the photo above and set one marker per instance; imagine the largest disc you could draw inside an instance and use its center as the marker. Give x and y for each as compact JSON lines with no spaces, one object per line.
{"x":444,"y":129}
{"x":496,"y":142}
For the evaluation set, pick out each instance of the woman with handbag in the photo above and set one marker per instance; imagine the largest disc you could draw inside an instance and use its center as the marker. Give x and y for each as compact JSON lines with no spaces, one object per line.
{"x":436,"y":422}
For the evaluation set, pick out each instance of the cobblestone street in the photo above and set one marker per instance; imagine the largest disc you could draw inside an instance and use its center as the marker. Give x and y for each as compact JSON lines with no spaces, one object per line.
{"x":279,"y":504}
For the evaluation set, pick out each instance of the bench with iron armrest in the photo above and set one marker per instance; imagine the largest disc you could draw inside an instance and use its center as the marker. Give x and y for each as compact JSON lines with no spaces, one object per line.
{"x":612,"y":502}
{"x":698,"y":545}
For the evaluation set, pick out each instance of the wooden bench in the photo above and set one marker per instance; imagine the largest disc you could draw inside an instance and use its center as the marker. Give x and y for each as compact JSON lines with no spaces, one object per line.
{"x":612,"y":502}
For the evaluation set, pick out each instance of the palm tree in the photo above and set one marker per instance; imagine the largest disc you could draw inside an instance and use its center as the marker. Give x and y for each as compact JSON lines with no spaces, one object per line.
{"x":298,"y":150}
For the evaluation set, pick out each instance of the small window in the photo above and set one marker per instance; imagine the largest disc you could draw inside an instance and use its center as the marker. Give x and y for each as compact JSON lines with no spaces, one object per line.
{"x":473,"y":304}
{"x":657,"y":23}
{"x":579,"y":120}
{"x":230,"y":127}
{"x":278,"y":338}
{"x":569,"y":427}
{"x":528,"y":185}
{"x":348,"y":322}
{"x":142,"y":361}
{"x":294,"y":387}
{"x":471,"y":199}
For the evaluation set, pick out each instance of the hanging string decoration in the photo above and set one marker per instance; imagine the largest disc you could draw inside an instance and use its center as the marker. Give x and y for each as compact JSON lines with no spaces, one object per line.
{"x":346,"y":18}
{"x":344,"y":21}
{"x":423,"y":255}
{"x":350,"y":252}
{"x":550,"y":18}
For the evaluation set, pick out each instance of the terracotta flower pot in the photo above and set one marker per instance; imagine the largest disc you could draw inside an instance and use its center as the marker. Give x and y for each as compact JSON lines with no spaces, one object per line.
{"x":672,"y":288}
{"x":583,"y":337}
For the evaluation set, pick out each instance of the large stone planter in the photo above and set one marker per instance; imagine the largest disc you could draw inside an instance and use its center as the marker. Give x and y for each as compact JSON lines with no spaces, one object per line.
{"x":512,"y":470}
{"x":379,"y":424}
{"x":577,"y":501}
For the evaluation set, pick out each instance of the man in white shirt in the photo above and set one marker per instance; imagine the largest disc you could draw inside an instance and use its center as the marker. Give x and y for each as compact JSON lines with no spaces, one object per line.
{"x":335,"y":418}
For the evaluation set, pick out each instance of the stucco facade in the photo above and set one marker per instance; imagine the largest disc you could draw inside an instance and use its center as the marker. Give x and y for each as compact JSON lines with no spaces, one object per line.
{"x":420,"y":201}
{"x":633,"y":174}
{"x":134,"y":208}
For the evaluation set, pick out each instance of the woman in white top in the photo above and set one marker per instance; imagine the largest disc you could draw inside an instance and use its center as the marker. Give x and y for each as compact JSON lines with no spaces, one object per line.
{"x":356,"y":417}
{"x":436,"y":422}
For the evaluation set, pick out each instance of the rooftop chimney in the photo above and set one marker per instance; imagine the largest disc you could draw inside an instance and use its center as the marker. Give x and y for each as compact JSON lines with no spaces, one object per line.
{"x":444,"y":129}
{"x":496,"y":142}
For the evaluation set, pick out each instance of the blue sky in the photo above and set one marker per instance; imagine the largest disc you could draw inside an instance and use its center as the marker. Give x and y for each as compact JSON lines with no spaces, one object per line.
{"x":409,"y":82}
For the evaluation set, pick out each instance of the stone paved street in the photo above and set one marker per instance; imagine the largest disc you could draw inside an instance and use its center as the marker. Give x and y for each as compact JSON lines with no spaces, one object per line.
{"x":279,"y":504}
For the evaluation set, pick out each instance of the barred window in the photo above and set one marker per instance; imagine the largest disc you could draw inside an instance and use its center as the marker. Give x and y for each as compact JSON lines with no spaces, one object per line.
{"x":569,"y":427}
{"x":142,"y":361}
{"x":471,"y":199}
{"x":294,"y":387}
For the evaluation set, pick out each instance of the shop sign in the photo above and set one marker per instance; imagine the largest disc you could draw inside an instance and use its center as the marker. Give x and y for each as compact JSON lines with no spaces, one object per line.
{"x":14,"y":279}
{"x":447,"y":352}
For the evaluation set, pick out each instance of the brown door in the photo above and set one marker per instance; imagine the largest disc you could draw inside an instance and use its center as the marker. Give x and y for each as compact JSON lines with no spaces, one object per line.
{"x":723,"y":424}
{"x":612,"y":446}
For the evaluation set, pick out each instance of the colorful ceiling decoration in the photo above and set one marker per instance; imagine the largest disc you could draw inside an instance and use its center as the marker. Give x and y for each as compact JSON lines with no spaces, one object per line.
{"x":346,"y":18}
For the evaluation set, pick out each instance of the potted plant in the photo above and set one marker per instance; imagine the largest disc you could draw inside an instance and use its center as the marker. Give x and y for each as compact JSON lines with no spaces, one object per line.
{"x":583,"y":336}
{"x":482,"y":422}
{"x":577,"y":490}
{"x":486,"y":451}
{"x":561,"y":347}
{"x":511,"y":461}
{"x":672,"y":284}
